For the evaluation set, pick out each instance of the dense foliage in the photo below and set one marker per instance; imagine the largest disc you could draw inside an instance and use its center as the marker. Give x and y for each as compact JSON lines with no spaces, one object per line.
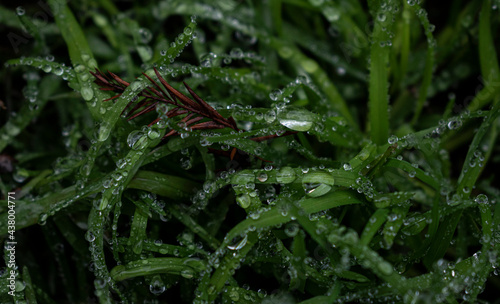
{"x":346,"y":153}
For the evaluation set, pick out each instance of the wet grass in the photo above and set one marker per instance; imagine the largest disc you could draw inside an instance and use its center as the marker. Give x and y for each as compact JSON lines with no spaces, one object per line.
{"x":385,"y":192}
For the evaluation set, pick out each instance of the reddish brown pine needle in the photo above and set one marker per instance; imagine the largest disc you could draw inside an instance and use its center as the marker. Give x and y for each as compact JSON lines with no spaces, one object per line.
{"x":195,"y":109}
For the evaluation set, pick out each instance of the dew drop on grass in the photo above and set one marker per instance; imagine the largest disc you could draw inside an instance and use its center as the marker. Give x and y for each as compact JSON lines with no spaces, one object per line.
{"x":270,"y":116}
{"x":316,"y":2}
{"x":385,"y":268}
{"x":392,"y":139}
{"x":153,"y":134}
{"x":296,"y":119}
{"x":145,"y":35}
{"x":291,"y":229}
{"x":58,"y":71}
{"x":20,"y":11}
{"x":310,"y":66}
{"x":244,"y":200}
{"x":238,"y":243}
{"x":80,"y":68}
{"x":285,"y":52}
{"x":317,"y":183}
{"x":89,"y":236}
{"x":481,"y":199}
{"x":331,"y":13}
{"x":285,"y":175}
{"x":234,"y":295}
{"x":262,"y":177}
{"x":47,"y":68}
{"x":157,"y":287}
{"x":87,"y":93}
{"x":316,"y":189}
{"x":104,"y":131}
{"x":275,"y":94}
{"x":11,"y":129}
{"x":454,"y":124}
{"x":136,"y":140}
{"x":42,"y":219}
{"x":187,"y":273}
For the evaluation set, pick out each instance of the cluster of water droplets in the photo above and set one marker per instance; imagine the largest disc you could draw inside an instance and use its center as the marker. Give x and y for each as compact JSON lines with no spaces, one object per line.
{"x":181,"y":41}
{"x":47,"y":65}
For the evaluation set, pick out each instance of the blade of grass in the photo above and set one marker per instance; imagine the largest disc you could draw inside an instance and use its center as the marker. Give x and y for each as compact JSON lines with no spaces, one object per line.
{"x":378,"y":101}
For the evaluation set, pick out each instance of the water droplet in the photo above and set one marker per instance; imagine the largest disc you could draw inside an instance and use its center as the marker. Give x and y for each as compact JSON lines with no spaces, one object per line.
{"x":309,"y":65}
{"x":58,"y":71}
{"x":317,"y":183}
{"x":47,"y":68}
{"x":238,"y":244}
{"x":187,"y":273}
{"x":87,"y":93}
{"x":454,"y":124}
{"x":270,"y":116}
{"x":244,"y":200}
{"x":285,"y":175}
{"x":296,"y":119}
{"x":153,"y":134}
{"x":392,"y":139}
{"x":385,"y":268}
{"x":481,"y":199}
{"x":42,"y":219}
{"x":104,"y":131}
{"x":20,"y":11}
{"x":89,"y":236}
{"x":275,"y":94}
{"x":136,"y":140}
{"x":262,"y":177}
{"x":207,"y":60}
{"x":316,"y":189}
{"x":316,"y":2}
{"x":291,"y":229}
{"x":80,"y":68}
{"x":157,"y":287}
{"x":145,"y":35}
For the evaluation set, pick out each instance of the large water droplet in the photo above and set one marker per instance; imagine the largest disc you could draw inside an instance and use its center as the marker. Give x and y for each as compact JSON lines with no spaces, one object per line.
{"x":317,"y":183}
{"x":104,"y":131}
{"x":87,"y":93}
{"x":244,"y":200}
{"x":285,"y":175}
{"x":275,"y":94}
{"x":270,"y":116}
{"x":296,"y":119}
{"x":157,"y":287}
{"x":238,"y":244}
{"x":20,"y":11}
{"x":385,"y":268}
{"x":145,"y":35}
{"x":187,"y":273}
{"x":89,"y":236}
{"x":481,"y":199}
{"x":153,"y":134}
{"x":137,"y":140}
